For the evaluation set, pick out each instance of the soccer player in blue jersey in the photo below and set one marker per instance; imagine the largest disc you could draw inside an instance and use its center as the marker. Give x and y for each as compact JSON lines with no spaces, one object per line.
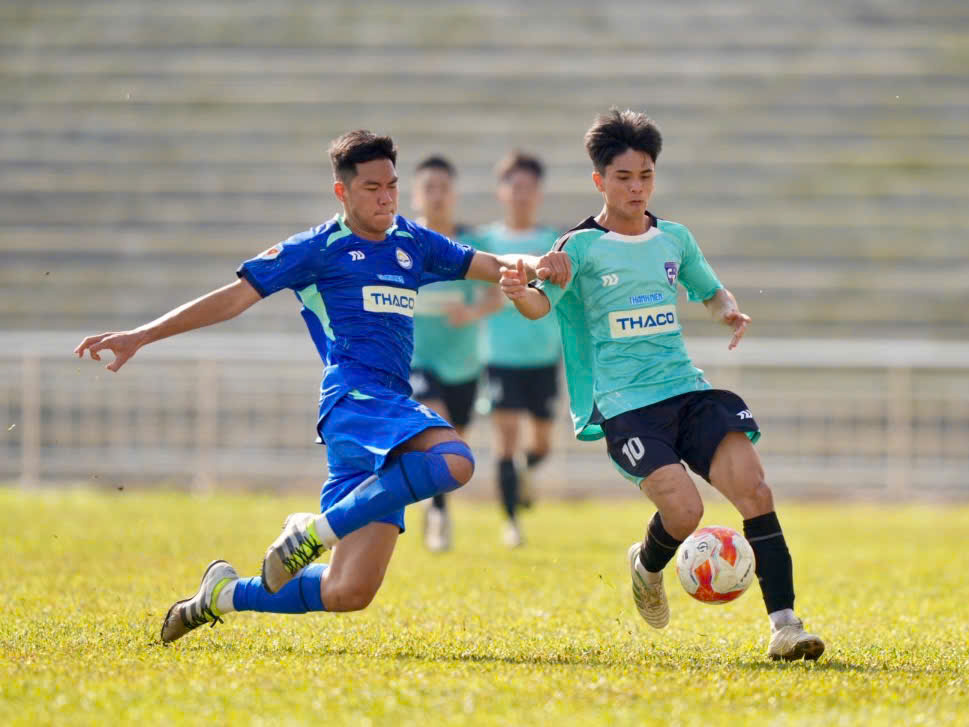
{"x":631,"y":380}
{"x":357,"y":278}
{"x":447,"y":352}
{"x":523,"y":357}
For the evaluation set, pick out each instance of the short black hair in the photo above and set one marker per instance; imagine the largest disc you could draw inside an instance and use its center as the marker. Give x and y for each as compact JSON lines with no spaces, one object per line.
{"x":613,"y":133}
{"x":518,"y":160}
{"x":436,"y":161}
{"x":357,"y":147}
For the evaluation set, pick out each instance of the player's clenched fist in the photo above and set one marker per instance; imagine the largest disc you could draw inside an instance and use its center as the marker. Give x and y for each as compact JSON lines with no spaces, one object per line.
{"x":555,"y":267}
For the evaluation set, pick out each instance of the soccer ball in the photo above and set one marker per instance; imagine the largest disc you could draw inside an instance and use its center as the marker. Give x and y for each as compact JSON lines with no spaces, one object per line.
{"x":715,"y":564}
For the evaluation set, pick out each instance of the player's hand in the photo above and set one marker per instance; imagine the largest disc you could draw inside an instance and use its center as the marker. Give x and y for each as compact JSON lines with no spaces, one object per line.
{"x":555,"y":267}
{"x":738,"y":322}
{"x":122,"y":344}
{"x":514,"y":281}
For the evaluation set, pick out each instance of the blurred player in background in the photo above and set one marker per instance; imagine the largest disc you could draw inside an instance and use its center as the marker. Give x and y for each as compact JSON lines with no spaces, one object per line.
{"x":447,"y":347}
{"x":523,"y":357}
{"x":357,"y":277}
{"x":631,"y":380}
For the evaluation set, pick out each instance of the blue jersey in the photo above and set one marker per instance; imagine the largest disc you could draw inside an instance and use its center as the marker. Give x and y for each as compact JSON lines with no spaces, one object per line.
{"x":358,"y":296}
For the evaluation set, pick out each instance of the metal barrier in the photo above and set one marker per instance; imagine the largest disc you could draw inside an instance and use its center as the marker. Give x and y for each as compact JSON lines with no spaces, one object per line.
{"x":840,"y":418}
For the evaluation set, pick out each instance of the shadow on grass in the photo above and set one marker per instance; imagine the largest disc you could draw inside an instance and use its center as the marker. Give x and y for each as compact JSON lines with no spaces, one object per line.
{"x":665,"y":660}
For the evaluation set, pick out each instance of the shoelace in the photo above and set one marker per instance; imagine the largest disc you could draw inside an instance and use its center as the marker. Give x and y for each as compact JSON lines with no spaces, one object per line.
{"x":205,"y":616}
{"x":306,"y":553}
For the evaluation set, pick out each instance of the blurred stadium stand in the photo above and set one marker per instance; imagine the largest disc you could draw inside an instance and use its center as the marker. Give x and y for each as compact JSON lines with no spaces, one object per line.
{"x":819,"y":152}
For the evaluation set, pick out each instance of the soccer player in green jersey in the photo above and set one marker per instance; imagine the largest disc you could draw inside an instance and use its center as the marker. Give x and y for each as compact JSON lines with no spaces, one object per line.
{"x":631,"y":380}
{"x":447,"y":358}
{"x":523,"y":358}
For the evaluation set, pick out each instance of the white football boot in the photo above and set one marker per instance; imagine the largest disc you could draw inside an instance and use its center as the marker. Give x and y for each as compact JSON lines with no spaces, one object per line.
{"x":200,"y":609}
{"x":791,"y":642}
{"x":648,"y":591}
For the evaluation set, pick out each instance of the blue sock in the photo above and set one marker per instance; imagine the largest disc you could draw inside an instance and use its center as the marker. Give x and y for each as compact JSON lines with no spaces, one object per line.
{"x":300,"y":595}
{"x":409,"y":478}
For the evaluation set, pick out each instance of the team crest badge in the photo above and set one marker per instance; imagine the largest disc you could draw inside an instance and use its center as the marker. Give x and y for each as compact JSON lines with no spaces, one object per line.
{"x":403,"y":259}
{"x":671,"y":270}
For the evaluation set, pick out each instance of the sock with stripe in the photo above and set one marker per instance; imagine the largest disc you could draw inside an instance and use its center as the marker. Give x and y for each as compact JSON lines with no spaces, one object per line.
{"x":659,"y":547}
{"x":775,"y":571}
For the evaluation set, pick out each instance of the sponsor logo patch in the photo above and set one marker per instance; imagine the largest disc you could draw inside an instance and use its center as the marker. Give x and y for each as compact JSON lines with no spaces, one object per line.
{"x":272,"y":253}
{"x":357,"y":255}
{"x":392,"y":278}
{"x":385,"y":299}
{"x":645,"y":299}
{"x":643,"y":321}
{"x":609,"y":280}
{"x":403,"y":259}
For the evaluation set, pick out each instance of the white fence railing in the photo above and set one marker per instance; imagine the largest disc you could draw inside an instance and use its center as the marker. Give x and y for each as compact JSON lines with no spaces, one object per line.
{"x":855,"y":418}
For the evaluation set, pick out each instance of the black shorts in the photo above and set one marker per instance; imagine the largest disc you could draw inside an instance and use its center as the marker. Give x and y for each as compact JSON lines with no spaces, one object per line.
{"x":458,"y":398}
{"x":531,"y":389}
{"x":688,"y":427}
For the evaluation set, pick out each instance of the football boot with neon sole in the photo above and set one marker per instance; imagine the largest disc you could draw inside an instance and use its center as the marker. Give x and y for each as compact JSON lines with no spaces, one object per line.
{"x":295,"y":548}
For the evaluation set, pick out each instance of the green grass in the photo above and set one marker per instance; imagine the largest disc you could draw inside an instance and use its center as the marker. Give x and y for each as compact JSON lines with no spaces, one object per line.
{"x":544,"y":635}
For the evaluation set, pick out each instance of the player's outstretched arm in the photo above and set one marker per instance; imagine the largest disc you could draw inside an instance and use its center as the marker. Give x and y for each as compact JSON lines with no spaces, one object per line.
{"x":723,"y":307}
{"x":215,"y":307}
{"x":554,"y":267}
{"x":530,"y":302}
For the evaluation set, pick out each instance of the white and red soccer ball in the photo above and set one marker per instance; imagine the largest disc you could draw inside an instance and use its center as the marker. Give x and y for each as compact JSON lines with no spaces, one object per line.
{"x":715,"y":564}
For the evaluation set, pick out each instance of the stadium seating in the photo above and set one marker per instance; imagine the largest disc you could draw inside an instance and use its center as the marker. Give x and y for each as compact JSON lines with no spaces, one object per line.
{"x":821,"y":155}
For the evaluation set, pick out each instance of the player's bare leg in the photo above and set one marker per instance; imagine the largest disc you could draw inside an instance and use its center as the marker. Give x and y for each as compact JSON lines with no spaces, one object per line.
{"x":357,"y":567}
{"x":679,"y":509}
{"x":435,"y":460}
{"x":737,"y":472}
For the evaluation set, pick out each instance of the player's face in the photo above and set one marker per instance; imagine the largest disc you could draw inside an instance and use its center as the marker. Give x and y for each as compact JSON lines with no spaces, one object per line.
{"x":520,"y":193}
{"x":627,"y":183}
{"x":434,"y":194}
{"x":370,"y":199}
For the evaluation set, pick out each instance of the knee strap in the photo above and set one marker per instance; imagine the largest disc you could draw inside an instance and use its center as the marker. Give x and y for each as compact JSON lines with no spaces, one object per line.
{"x":454,"y":447}
{"x":426,"y":473}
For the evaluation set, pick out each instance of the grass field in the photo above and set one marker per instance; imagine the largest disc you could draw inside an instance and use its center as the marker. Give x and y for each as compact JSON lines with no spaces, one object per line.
{"x":544,"y":635}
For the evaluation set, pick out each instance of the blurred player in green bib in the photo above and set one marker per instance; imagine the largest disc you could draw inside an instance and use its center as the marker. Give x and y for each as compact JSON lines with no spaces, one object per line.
{"x":447,"y":336}
{"x":631,"y":380}
{"x":523,"y":357}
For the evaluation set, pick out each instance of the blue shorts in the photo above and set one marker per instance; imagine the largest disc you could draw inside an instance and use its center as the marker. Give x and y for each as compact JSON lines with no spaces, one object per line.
{"x":360,"y":431}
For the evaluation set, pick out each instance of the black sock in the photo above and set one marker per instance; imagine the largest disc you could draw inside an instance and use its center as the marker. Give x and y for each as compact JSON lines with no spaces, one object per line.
{"x":533,"y":459}
{"x":439,"y":502}
{"x":775,"y":571}
{"x":508,"y":484}
{"x":659,"y":547}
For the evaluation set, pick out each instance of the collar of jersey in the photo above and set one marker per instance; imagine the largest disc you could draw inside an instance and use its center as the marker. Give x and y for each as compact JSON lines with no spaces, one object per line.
{"x":341,"y":221}
{"x":648,"y":235}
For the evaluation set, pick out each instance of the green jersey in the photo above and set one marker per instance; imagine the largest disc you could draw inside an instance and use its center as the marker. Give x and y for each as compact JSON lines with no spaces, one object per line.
{"x":620,"y":327}
{"x":512,"y":340}
{"x":452,"y":353}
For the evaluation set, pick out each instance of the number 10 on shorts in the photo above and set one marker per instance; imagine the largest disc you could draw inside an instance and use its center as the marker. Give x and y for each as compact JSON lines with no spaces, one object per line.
{"x":634,"y":450}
